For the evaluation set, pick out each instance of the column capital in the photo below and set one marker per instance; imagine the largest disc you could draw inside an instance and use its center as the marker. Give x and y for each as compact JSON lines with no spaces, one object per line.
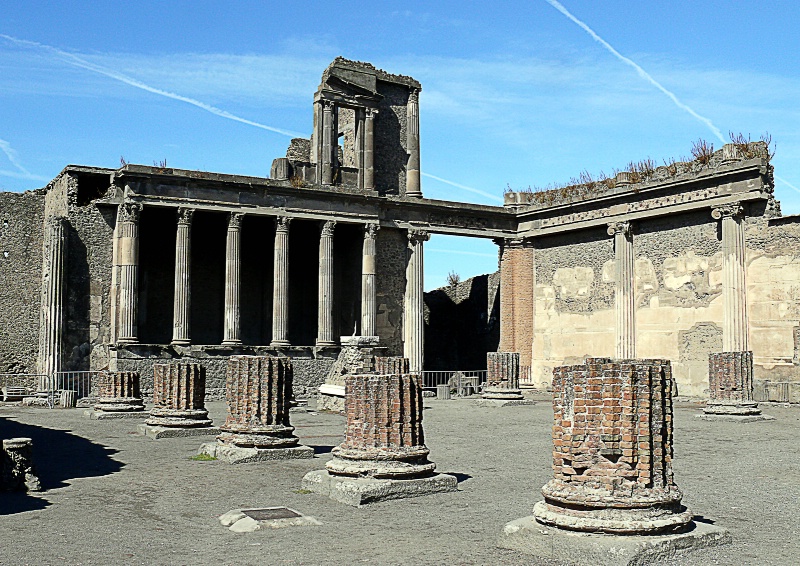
{"x":130,"y":211}
{"x":185,"y":215}
{"x":727,"y":210}
{"x":413,"y":96}
{"x":235,"y":220}
{"x":282,"y":223}
{"x":415,"y":235}
{"x":371,"y":230}
{"x":370,"y":113}
{"x":615,"y":228}
{"x":327,"y":228}
{"x":513,"y":243}
{"x":327,"y":105}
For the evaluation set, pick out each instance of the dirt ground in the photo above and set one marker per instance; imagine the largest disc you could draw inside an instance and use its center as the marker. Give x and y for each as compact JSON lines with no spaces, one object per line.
{"x":115,"y":497}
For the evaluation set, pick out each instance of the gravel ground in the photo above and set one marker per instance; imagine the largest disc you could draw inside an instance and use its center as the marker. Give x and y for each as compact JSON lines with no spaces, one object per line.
{"x":114,"y":497}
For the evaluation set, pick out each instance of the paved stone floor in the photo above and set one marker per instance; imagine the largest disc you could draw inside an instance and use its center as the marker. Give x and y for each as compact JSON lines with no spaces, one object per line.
{"x":114,"y":497}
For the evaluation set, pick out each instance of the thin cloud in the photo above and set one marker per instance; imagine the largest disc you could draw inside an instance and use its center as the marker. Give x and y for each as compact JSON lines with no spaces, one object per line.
{"x":464,"y":187}
{"x":13,"y":157}
{"x":76,"y":61}
{"x":641,"y":72}
{"x":787,"y":183}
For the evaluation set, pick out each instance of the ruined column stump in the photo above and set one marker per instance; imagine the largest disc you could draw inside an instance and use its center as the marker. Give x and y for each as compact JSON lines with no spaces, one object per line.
{"x":383,"y":455}
{"x":357,"y":356}
{"x":118,"y":396}
{"x":612,"y":471}
{"x":16,"y":466}
{"x":502,"y":381}
{"x":258,"y":391}
{"x":178,"y":402}
{"x":730,"y":388}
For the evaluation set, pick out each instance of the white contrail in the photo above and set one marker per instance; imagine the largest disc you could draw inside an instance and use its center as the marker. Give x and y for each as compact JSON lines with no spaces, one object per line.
{"x":464,"y":187}
{"x":12,"y":156}
{"x":641,"y":72}
{"x":787,"y":183}
{"x":441,"y":250}
{"x":84,"y":64}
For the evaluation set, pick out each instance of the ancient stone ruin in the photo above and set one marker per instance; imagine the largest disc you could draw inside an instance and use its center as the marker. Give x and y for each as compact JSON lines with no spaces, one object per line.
{"x":178,"y":402}
{"x":258,"y":394}
{"x":502,"y":380}
{"x":17,"y":472}
{"x":383,"y":455}
{"x":118,"y":395}
{"x":730,"y":380}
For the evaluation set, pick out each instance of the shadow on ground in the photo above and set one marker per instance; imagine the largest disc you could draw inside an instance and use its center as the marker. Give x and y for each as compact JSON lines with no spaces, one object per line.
{"x":58,"y":456}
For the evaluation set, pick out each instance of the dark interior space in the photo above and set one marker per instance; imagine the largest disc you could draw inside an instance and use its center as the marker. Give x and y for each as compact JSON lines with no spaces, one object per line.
{"x":92,"y":186}
{"x":209,"y":231}
{"x":157,"y":232}
{"x":303,"y":281}
{"x":348,"y":242}
{"x":257,"y":251}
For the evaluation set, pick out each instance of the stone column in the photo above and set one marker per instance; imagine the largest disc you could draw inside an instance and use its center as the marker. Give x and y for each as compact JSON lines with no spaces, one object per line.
{"x":258,"y":391}
{"x":612,"y":453}
{"x":51,"y":312}
{"x":359,"y":145}
{"x":128,"y":259}
{"x":232,"y":334}
{"x":734,"y":289}
{"x":183,"y":291}
{"x":624,"y":299}
{"x":413,"y":322}
{"x":502,"y":376}
{"x":280,"y":290}
{"x":369,"y":307}
{"x":325,"y":308}
{"x":179,"y":392}
{"x":413,"y":186}
{"x":118,"y":392}
{"x":369,"y":149}
{"x":327,"y":142}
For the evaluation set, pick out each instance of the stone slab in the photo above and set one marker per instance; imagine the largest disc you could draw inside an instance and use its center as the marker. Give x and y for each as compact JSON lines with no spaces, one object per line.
{"x":157,"y":432}
{"x":528,"y":536}
{"x":239,"y":522}
{"x":102,"y":415}
{"x":734,"y":418}
{"x":241,"y":455}
{"x":503,"y":402}
{"x":362,"y":491}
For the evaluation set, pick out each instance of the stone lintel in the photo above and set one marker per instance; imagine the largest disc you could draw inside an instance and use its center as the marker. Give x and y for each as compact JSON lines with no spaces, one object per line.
{"x":732,"y":418}
{"x":362,"y":491}
{"x":157,"y":432}
{"x":528,"y":536}
{"x":103,"y":415}
{"x":489,"y":402}
{"x":241,"y":455}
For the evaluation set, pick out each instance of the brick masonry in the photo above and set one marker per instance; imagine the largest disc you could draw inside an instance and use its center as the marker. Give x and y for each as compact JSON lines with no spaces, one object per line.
{"x":179,"y":396}
{"x":612,"y":449}
{"x":517,"y":301}
{"x":119,"y":391}
{"x":390,"y":365}
{"x":730,"y":384}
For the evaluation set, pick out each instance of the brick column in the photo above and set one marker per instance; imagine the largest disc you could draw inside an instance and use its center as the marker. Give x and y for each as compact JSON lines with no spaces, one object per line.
{"x":517,"y":298}
{"x":383,"y":435}
{"x":232,"y":333}
{"x":325,"y":308}
{"x":181,"y":315}
{"x":280,"y":291}
{"x":179,"y":396}
{"x":390,"y":365}
{"x":612,"y":442}
{"x":730,"y":380}
{"x":413,"y":321}
{"x":502,"y":376}
{"x":128,"y":261}
{"x":51,"y":313}
{"x":624,"y":300}
{"x":369,"y":307}
{"x":118,"y":392}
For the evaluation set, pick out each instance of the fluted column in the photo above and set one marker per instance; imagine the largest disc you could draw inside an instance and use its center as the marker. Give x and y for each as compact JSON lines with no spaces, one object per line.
{"x":369,"y":149}
{"x":232,"y":334}
{"x":280,"y":290}
{"x":625,"y":306}
{"x":128,"y":259}
{"x":368,"y":291}
{"x":734,"y":288}
{"x":412,"y":144}
{"x":51,"y":313}
{"x":327,"y":142}
{"x":413,"y":321}
{"x":325,"y":309}
{"x":183,"y":291}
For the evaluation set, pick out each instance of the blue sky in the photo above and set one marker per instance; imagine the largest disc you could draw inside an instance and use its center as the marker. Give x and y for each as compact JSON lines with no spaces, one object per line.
{"x":514,"y":93}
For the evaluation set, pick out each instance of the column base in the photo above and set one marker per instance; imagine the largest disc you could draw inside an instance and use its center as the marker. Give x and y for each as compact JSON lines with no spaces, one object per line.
{"x":231,"y":343}
{"x":241,"y":455}
{"x":414,"y":194}
{"x":127,"y":341}
{"x":325,"y":343}
{"x":157,"y":432}
{"x":279,"y":344}
{"x":181,"y":342}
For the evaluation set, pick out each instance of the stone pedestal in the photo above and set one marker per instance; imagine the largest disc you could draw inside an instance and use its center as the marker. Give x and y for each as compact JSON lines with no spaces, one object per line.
{"x":16,"y":466}
{"x":178,"y":402}
{"x":383,"y":455}
{"x":118,"y":396}
{"x":502,"y":381}
{"x":612,"y":469}
{"x":257,"y":390}
{"x":730,"y":380}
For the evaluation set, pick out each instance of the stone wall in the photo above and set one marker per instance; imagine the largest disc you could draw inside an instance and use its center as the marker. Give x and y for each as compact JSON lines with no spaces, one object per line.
{"x":21,"y":235}
{"x":390,"y":140}
{"x":462,"y":324}
{"x":391,"y":246}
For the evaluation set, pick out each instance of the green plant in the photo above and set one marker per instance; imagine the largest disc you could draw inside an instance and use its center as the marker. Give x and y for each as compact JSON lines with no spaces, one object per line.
{"x":202,"y":458}
{"x":453,"y":279}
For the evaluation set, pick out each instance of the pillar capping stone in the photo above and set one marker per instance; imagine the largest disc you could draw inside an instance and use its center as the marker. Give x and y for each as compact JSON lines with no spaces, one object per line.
{"x":371,"y":230}
{"x":282,"y":223}
{"x":185,"y":215}
{"x":615,"y":228}
{"x":418,"y":235}
{"x":731,"y":210}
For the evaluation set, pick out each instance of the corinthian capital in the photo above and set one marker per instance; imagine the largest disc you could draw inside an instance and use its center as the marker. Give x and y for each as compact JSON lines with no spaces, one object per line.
{"x":727,"y":210}
{"x":416,"y":235}
{"x":235,"y":220}
{"x":282,"y":223}
{"x":371,"y":231}
{"x":327,"y":228}
{"x":130,"y":212}
{"x":185,"y":215}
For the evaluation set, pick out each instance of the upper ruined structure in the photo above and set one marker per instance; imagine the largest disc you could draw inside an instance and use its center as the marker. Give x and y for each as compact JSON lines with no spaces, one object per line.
{"x":365,"y":133}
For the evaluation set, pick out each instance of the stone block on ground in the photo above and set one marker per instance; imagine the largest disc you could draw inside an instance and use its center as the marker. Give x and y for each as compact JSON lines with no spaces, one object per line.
{"x":251,"y":520}
{"x":158,"y":432}
{"x":17,"y":472}
{"x":245,"y":455}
